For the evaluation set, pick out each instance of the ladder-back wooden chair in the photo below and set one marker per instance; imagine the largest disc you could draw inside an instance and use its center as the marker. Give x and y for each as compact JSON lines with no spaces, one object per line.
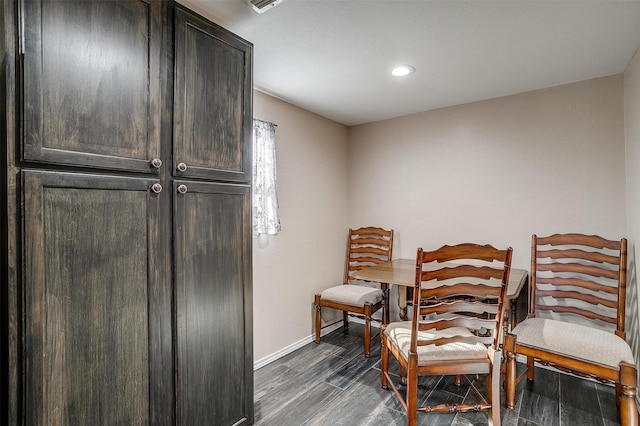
{"x":458,"y":301}
{"x":365,"y":247}
{"x":576,"y":316}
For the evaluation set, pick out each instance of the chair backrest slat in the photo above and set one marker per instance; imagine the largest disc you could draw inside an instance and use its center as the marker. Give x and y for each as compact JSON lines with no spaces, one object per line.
{"x":459,"y":320}
{"x":461,"y":271}
{"x":459,"y":306}
{"x":576,"y":282}
{"x":594,"y":241}
{"x":596,"y":271}
{"x":373,"y":239}
{"x":593,"y":256}
{"x":457,"y":339}
{"x":461,"y":290}
{"x":584,"y":297}
{"x":486,"y":253}
{"x":579,"y":278}
{"x":574,"y":310}
{"x":370,"y":231}
{"x":369,"y":250}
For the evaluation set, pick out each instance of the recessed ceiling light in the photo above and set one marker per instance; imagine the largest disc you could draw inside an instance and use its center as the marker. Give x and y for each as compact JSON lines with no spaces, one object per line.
{"x":402,"y":70}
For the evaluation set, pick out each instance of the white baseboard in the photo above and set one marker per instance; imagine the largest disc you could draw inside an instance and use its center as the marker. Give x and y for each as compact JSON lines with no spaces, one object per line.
{"x":292,"y":347}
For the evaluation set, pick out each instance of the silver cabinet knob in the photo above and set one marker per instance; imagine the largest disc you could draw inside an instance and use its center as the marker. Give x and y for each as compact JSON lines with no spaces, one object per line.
{"x":181,"y":167}
{"x":156,"y":188}
{"x":182,"y":189}
{"x":156,"y":163}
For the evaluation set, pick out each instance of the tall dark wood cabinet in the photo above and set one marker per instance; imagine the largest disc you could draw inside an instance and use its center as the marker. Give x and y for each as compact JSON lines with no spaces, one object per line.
{"x":125,"y":224}
{"x":212,"y":122}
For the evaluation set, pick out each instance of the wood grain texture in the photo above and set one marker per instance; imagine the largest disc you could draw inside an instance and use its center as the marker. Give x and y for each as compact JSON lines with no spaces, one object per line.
{"x":9,"y":218}
{"x":213,"y":304}
{"x":86,"y":336}
{"x":212,"y":101}
{"x":89,"y":323}
{"x":91,"y":83}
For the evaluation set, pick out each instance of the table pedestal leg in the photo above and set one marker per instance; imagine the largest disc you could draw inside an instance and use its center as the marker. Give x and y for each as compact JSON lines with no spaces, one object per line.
{"x":385,"y":309}
{"x":402,"y":302}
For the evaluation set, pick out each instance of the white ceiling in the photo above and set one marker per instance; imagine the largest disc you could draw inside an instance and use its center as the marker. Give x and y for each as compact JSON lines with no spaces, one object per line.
{"x":334,"y":57}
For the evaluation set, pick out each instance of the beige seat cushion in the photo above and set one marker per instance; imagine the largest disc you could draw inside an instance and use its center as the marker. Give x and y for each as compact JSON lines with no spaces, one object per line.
{"x":575,"y":340}
{"x":400,"y":334}
{"x":353,"y":295}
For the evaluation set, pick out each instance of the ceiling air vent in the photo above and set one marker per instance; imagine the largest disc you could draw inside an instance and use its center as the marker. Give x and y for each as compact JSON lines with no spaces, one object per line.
{"x":262,"y":6}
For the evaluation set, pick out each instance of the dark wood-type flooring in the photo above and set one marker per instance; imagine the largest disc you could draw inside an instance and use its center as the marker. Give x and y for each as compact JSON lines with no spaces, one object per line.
{"x":334,"y":384}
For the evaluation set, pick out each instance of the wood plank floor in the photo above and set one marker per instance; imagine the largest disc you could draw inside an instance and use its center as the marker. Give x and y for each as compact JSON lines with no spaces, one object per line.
{"x":334,"y":384}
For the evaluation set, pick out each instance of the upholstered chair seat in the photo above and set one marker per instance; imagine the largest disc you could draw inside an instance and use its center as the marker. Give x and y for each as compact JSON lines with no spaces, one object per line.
{"x":354,"y":295}
{"x":574,"y":340}
{"x":399,"y":333}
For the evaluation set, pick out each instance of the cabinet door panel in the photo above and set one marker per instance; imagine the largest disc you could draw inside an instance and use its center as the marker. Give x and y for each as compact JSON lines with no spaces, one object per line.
{"x":213,"y":304}
{"x":91,"y":83}
{"x":89,"y":243}
{"x":212,"y":101}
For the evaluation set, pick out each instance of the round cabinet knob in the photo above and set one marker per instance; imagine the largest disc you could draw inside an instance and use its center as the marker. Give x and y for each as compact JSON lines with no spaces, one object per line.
{"x":181,"y":167}
{"x":156,"y":163}
{"x":156,"y":188}
{"x":182,"y":189}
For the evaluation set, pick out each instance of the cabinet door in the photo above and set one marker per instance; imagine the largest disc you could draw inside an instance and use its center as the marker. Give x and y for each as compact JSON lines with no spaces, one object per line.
{"x":212,"y":231}
{"x":212,"y":101}
{"x":91,"y":82}
{"x":88,"y":315}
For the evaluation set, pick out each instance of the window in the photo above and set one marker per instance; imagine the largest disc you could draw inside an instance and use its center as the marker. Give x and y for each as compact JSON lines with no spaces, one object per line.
{"x":265,"y":198}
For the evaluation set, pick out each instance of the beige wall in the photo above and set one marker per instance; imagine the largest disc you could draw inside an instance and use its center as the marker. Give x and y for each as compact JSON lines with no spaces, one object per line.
{"x":423,"y":175}
{"x":308,"y":255}
{"x":632,"y":142}
{"x":495,"y":171}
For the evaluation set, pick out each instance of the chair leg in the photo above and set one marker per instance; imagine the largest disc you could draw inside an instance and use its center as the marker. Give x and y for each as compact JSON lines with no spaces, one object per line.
{"x":618,"y":394}
{"x":510,"y":371}
{"x":403,"y":375}
{"x":530,"y":368}
{"x":318,"y":318}
{"x":628,"y":386}
{"x":384,"y":361}
{"x":385,"y":304}
{"x":412,"y":391}
{"x":367,"y":330}
{"x":345,"y":321}
{"x":367,"y":338}
{"x":493,"y":389}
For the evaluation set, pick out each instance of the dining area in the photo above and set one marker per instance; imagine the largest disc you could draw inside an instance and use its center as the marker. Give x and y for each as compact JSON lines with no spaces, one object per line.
{"x":460,"y":317}
{"x":461,"y":174}
{"x":441,"y":177}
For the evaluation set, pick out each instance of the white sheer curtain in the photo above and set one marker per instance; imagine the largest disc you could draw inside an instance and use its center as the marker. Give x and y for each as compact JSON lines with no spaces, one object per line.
{"x":265,"y":198}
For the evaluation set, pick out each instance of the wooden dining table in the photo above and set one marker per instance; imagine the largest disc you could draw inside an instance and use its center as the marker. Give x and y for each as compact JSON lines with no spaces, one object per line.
{"x":401,"y":272}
